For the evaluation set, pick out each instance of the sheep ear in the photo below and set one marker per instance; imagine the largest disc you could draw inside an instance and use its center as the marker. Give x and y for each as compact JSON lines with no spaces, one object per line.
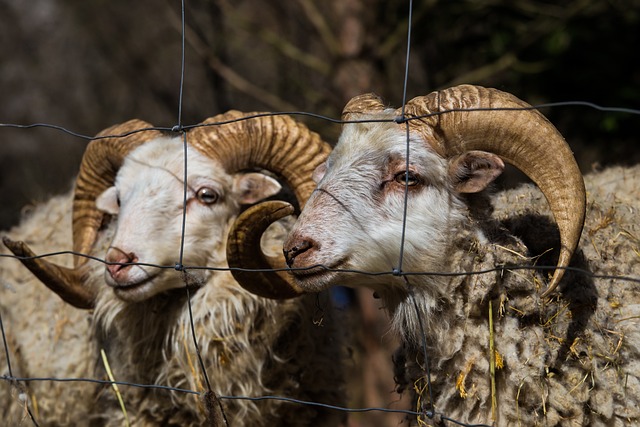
{"x":108,"y":201}
{"x":319,"y":172}
{"x":253,"y":187}
{"x":473,"y":171}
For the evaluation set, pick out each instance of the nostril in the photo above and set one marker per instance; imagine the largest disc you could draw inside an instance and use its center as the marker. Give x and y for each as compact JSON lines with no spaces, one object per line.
{"x":113,"y":269}
{"x":117,"y":261}
{"x":298,"y":248}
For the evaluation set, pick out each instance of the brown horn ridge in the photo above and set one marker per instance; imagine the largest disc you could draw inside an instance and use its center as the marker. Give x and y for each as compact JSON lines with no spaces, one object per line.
{"x":242,"y":141}
{"x":520,"y":135}
{"x":367,"y":103}
{"x":100,"y":163}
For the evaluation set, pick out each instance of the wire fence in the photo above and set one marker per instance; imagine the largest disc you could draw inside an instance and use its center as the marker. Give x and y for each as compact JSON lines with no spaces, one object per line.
{"x":422,"y":414}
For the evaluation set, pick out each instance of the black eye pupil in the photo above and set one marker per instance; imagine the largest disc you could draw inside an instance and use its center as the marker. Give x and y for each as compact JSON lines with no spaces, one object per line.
{"x":407,"y":178}
{"x":207,"y":195}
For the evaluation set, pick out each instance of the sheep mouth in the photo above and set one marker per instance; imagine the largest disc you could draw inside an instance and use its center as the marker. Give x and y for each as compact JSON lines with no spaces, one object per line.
{"x":319,"y":276}
{"x":133,"y":285}
{"x":133,"y":291}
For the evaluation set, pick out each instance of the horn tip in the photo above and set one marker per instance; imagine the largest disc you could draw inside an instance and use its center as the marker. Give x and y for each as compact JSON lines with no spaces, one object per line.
{"x":18,"y":247}
{"x":553,"y":284}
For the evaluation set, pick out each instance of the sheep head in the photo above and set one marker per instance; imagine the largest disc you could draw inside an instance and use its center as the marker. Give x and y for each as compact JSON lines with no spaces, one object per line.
{"x":354,"y":218}
{"x":131,"y":157}
{"x":98,"y":169}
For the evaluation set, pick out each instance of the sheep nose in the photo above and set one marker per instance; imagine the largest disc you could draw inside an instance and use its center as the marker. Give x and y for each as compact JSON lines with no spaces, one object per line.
{"x":299,"y":247}
{"x":115,"y":258}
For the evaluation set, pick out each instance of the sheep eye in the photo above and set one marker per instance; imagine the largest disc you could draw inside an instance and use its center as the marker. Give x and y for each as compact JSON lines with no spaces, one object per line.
{"x":207,"y":195}
{"x":409,"y":179}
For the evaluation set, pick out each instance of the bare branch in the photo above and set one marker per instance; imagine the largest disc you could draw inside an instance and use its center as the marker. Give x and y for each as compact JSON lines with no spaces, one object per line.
{"x":234,"y":79}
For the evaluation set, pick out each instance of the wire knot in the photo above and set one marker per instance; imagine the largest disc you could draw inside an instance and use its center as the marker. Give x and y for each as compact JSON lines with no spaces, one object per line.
{"x":432,"y":415}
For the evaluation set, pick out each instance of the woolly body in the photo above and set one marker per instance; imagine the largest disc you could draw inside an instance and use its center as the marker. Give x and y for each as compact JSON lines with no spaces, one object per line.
{"x":571,"y":360}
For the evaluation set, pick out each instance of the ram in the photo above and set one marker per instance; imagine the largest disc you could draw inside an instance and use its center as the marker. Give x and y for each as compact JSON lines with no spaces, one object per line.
{"x":502,"y":346}
{"x":128,"y":205}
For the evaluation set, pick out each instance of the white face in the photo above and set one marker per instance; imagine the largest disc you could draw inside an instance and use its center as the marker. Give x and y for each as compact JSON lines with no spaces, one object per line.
{"x":148,"y":199}
{"x":354,"y":219}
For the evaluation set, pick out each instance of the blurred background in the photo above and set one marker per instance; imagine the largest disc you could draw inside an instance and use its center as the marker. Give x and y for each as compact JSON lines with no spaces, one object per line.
{"x":87,"y":64}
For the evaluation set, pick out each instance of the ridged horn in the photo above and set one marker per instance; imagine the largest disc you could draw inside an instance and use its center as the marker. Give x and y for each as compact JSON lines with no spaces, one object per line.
{"x":243,"y":141}
{"x":243,"y":249}
{"x":65,"y":282}
{"x":258,"y":140}
{"x":100,"y":163}
{"x":367,"y":103}
{"x":520,"y":135}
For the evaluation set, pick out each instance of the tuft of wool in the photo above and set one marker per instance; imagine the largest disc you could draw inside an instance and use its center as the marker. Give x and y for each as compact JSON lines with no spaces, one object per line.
{"x":570,"y":360}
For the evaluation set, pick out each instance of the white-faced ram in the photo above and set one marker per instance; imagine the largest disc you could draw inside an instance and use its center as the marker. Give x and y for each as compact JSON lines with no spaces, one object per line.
{"x":128,"y":210}
{"x":503,"y":347}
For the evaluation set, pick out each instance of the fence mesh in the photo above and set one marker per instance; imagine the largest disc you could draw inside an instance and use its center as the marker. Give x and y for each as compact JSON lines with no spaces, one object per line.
{"x":208,"y":391}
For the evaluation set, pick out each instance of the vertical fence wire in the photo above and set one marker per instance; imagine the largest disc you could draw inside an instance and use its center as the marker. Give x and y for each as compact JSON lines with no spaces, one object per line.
{"x":395,"y":271}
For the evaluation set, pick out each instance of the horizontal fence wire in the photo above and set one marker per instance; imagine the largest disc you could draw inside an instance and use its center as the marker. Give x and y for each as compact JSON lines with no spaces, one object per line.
{"x":391,"y":272}
{"x":178,"y":129}
{"x":182,"y":129}
{"x":179,"y":266}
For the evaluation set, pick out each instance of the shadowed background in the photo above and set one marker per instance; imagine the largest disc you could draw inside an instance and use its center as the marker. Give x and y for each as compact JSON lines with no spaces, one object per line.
{"x":87,"y":64}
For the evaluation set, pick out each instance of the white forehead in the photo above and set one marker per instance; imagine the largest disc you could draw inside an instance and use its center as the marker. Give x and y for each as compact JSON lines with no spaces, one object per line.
{"x":378,"y":142}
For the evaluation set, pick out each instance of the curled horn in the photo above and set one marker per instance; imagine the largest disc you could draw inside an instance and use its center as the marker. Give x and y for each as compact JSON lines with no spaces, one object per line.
{"x":276,"y":143}
{"x":100,"y":163}
{"x":520,"y":135}
{"x":243,"y":250}
{"x":367,"y":103}
{"x":244,"y":141}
